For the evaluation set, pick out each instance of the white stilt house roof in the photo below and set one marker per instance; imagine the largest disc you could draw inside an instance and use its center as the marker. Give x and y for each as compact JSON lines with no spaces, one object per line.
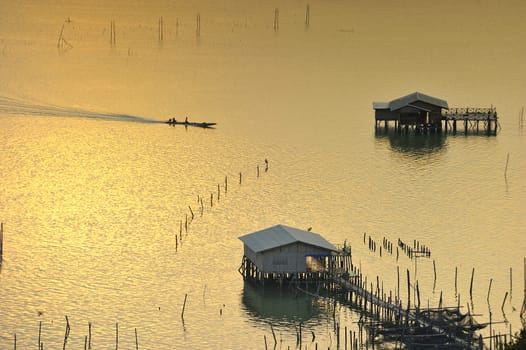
{"x":281,"y":235}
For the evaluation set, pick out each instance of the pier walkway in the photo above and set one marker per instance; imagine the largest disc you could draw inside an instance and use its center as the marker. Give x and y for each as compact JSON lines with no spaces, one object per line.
{"x":396,"y":310}
{"x":472,"y":118}
{"x":465,"y":120}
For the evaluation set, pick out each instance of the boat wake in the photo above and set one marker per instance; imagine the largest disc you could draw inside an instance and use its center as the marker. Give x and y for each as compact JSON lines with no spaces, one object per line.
{"x":13,"y":106}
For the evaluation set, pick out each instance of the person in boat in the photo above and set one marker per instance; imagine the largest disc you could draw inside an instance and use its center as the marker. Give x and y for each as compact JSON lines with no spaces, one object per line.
{"x":186,"y":120}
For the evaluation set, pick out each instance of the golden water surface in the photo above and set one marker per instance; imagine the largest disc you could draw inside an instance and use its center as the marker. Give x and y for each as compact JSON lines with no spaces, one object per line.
{"x":94,"y":192}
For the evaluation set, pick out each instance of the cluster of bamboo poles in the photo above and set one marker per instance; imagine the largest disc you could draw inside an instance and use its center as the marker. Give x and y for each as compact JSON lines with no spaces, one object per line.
{"x":377,"y":307}
{"x":385,"y":309}
{"x":215,"y":197}
{"x":418,"y":249}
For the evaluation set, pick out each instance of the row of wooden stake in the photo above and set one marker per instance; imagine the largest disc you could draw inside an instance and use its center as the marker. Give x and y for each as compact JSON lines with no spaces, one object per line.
{"x":190,"y":216}
{"x":63,"y":43}
{"x":87,"y":338}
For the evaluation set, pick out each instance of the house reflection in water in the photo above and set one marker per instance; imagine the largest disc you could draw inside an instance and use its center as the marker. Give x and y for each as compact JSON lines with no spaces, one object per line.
{"x":279,"y":305}
{"x":414,"y":144}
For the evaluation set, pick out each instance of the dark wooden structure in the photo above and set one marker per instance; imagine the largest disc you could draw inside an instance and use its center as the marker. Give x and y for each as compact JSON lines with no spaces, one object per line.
{"x":414,"y":110}
{"x":421,"y":113}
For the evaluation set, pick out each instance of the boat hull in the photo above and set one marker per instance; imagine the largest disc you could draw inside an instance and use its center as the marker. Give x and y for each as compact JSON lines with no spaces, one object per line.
{"x":194,"y":124}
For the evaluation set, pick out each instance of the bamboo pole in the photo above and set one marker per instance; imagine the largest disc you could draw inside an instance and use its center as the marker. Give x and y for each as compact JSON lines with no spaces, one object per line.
{"x":112,"y":33}
{"x":503,"y":302}
{"x":116,"y":335}
{"x":276,"y":19}
{"x":489,"y":288}
{"x":434,"y":275}
{"x":184,"y":305}
{"x":456,"y":275}
{"x":506,"y":167}
{"x":1,"y":240}
{"x":59,"y":42}
{"x":161,"y":28}
{"x":39,"y":332}
{"x":471,"y":284}
{"x":66,"y":334}
{"x":273,"y":335}
{"x":418,"y":294}
{"x":408,"y":290}
{"x":523,"y":309}
{"x":136,"y":340}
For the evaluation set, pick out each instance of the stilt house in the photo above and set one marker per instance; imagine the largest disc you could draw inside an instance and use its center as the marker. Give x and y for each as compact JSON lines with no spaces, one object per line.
{"x":415,"y":109}
{"x":283,"y":252}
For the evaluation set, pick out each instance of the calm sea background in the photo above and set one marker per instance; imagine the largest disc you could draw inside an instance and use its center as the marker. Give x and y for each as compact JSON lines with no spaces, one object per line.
{"x":92,"y":199}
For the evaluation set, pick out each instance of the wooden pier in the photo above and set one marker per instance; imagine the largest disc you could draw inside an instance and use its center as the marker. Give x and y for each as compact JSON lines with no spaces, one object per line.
{"x":408,"y":323}
{"x":383,"y":313}
{"x":477,"y":121}
{"x":473,"y":119}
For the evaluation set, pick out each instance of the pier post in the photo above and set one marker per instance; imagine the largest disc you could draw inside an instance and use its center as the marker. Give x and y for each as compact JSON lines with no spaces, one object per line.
{"x":1,"y":241}
{"x":454,"y":126}
{"x":408,"y":290}
{"x":276,"y":19}
{"x":465,"y":126}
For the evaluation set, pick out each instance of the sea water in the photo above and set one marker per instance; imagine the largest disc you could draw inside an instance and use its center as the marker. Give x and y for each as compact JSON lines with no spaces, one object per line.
{"x":97,"y":197}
